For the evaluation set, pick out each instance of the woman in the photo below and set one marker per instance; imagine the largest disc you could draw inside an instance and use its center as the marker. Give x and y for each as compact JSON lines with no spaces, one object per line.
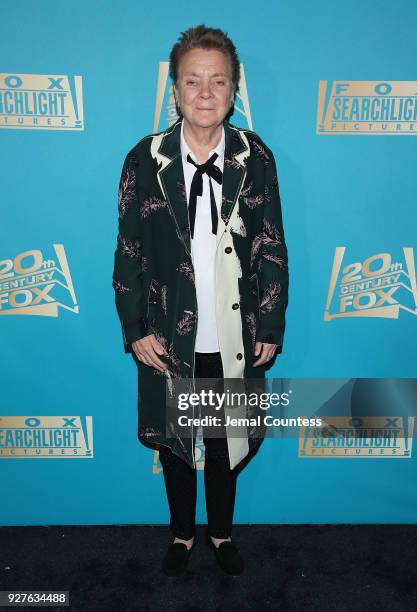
{"x":200,"y":277}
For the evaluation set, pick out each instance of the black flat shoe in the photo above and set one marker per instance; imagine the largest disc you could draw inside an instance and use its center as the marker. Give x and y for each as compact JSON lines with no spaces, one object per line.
{"x":228,"y":556}
{"x":176,"y":559}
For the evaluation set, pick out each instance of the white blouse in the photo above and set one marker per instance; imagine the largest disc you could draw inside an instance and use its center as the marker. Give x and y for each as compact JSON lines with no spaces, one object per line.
{"x":203,"y":246}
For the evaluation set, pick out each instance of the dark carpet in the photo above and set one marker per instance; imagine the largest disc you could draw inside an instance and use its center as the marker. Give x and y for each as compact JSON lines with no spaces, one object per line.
{"x":323,"y":568}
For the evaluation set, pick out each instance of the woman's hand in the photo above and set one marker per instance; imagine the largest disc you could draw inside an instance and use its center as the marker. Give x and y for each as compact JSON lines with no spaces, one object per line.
{"x":267,"y":352}
{"x":147,"y":350}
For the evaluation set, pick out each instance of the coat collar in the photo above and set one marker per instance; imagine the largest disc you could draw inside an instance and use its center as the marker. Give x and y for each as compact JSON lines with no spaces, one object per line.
{"x":171,"y":174}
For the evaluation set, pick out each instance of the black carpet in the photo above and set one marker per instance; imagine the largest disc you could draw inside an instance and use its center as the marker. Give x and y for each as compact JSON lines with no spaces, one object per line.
{"x":323,"y":568}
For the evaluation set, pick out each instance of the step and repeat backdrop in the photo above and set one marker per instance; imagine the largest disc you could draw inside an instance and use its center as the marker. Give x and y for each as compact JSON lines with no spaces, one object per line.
{"x":332,"y":90}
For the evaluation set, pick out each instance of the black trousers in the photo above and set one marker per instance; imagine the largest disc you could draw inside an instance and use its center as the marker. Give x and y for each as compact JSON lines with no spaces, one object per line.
{"x":219,"y":480}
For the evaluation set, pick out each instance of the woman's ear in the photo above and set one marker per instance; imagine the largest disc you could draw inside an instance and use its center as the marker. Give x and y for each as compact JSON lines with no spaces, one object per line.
{"x":176,"y":97}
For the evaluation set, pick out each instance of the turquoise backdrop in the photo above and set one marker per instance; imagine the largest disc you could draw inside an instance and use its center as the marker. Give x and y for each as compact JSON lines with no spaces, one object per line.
{"x":357,"y":191}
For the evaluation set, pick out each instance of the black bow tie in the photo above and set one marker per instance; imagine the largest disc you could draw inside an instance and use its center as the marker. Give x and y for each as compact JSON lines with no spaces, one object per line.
{"x":212,"y":171}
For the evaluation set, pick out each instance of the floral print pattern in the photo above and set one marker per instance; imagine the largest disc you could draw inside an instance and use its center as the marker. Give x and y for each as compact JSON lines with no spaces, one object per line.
{"x":186,"y":323}
{"x":270,"y":297}
{"x":251,"y":322}
{"x":186,"y":268}
{"x":150,"y":205}
{"x":164,"y":294}
{"x":126,"y":187}
{"x":232,"y":163}
{"x":259,"y":150}
{"x":172,"y":359}
{"x":249,"y":199}
{"x":130,"y":248}
{"x":119,"y":286}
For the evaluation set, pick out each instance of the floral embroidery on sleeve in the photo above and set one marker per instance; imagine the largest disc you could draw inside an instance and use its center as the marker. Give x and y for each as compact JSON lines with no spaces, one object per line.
{"x":119,"y":286}
{"x":127,"y":186}
{"x":270,"y":297}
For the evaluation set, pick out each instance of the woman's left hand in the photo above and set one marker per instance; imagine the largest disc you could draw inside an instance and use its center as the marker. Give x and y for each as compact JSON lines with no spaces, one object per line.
{"x":267,"y":351}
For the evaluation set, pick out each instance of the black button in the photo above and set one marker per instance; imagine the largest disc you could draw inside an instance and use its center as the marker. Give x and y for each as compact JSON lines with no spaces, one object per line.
{"x":239,"y":356}
{"x":228,"y":250}
{"x":235,"y":306}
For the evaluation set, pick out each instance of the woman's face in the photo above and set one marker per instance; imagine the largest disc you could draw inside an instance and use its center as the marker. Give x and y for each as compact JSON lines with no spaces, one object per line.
{"x":204,"y":91}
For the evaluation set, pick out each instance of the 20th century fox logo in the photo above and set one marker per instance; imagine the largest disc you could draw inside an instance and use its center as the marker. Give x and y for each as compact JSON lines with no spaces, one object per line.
{"x":374,"y":287}
{"x":36,"y":283}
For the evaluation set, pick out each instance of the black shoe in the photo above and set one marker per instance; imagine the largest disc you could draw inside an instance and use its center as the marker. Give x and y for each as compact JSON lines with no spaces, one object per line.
{"x":227,"y":556}
{"x":176,"y":559}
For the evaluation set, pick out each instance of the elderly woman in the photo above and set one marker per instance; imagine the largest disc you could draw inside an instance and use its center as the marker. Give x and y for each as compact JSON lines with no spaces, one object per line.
{"x":200,"y":278}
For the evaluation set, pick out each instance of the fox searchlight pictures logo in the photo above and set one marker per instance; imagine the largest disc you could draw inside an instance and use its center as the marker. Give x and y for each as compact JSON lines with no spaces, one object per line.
{"x":44,"y":437}
{"x":41,"y":101}
{"x":367,"y":107}
{"x":359,"y":437}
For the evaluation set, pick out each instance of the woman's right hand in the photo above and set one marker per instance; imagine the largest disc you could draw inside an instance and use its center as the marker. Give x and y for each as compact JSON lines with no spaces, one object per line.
{"x":147,"y":350}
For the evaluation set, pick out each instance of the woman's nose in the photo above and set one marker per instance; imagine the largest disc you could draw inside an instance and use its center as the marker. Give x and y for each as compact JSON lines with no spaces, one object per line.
{"x":205,"y":90}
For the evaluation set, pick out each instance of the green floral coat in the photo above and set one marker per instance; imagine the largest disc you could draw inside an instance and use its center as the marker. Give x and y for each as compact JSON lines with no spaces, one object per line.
{"x":154,"y":280}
